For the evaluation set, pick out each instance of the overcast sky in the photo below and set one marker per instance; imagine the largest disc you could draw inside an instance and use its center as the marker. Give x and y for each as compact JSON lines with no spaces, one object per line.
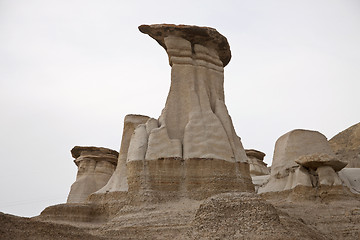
{"x":71,"y":70}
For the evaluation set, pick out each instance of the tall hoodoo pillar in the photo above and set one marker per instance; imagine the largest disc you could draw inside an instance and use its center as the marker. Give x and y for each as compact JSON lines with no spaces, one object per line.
{"x":191,"y":150}
{"x":195,"y":122}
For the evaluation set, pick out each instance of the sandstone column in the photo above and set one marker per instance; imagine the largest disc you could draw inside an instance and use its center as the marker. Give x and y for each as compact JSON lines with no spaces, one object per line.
{"x":195,"y":122}
{"x":118,"y":181}
{"x":95,"y":167}
{"x":192,"y":150}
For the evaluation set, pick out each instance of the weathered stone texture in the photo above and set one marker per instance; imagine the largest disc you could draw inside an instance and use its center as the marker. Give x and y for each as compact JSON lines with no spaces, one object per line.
{"x":186,"y":176}
{"x":206,"y":36}
{"x":95,"y":167}
{"x":302,"y":158}
{"x":118,"y":181}
{"x":257,"y":165}
{"x":245,"y":216}
{"x":315,"y":161}
{"x":172,"y":179}
{"x":295,"y":144}
{"x":195,"y":123}
{"x":346,"y":146}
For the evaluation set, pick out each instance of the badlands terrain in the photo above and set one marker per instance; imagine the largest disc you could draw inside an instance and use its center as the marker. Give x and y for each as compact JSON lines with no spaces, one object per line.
{"x":186,"y":174}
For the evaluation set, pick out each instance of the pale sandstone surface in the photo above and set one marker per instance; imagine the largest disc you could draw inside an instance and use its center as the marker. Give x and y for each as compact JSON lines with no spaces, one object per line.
{"x":195,"y":122}
{"x":191,"y":150}
{"x":256,"y":162}
{"x":95,"y":167}
{"x":302,"y":158}
{"x":351,"y":178}
{"x":118,"y":181}
{"x":327,"y":176}
{"x":315,"y":161}
{"x":346,"y":146}
{"x":295,"y":144}
{"x":185,"y":175}
{"x":259,"y":181}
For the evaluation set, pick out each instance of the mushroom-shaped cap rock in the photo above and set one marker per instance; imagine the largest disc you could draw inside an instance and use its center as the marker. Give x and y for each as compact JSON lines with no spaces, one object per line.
{"x":314,"y":161}
{"x":255,"y":153}
{"x":205,"y":36}
{"x":96,"y":153}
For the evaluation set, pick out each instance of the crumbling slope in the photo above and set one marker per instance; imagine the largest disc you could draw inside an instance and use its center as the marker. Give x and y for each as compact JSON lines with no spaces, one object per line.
{"x":12,"y":227}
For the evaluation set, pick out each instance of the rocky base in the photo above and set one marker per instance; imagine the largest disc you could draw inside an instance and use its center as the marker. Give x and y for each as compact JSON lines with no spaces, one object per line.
{"x":246,"y":216}
{"x":172,"y":179}
{"x":12,"y":227}
{"x":325,"y":213}
{"x":332,"y":211}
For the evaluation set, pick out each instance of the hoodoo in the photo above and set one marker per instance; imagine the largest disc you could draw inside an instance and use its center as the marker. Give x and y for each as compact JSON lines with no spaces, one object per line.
{"x":192,"y":149}
{"x":195,"y":122}
{"x":95,"y":167}
{"x":186,"y":175}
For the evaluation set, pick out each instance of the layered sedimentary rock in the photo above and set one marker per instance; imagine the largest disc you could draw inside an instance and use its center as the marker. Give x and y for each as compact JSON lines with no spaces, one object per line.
{"x":95,"y":167}
{"x":346,"y":146}
{"x":256,"y":162}
{"x":303,"y":158}
{"x":114,"y":211}
{"x":195,"y":122}
{"x":118,"y":181}
{"x":192,"y":149}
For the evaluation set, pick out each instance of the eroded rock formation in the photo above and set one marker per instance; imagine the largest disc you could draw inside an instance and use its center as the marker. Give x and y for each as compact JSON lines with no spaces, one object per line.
{"x":118,"y":181}
{"x":246,"y":216}
{"x":346,"y":146}
{"x":195,"y":122}
{"x":192,"y":149}
{"x":256,"y":162}
{"x":95,"y":167}
{"x":303,"y":158}
{"x":184,"y":176}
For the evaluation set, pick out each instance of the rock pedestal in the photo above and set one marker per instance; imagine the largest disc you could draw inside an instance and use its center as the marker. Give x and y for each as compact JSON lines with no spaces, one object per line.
{"x":256,"y":162}
{"x":195,"y":122}
{"x":95,"y":167}
{"x":303,"y":158}
{"x":192,"y":149}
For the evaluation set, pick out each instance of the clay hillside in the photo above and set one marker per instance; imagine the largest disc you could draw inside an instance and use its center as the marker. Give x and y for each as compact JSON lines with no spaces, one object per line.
{"x":186,"y":174}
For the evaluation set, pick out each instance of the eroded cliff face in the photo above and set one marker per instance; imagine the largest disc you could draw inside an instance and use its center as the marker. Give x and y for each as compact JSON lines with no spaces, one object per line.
{"x":346,"y":146}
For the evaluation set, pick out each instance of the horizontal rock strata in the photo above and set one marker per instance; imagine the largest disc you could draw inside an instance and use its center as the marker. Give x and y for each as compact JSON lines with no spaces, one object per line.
{"x":95,"y":167}
{"x":173,"y":179}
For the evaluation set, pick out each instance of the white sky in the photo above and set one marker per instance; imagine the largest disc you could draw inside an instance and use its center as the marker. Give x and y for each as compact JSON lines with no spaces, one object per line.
{"x":71,"y":70}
